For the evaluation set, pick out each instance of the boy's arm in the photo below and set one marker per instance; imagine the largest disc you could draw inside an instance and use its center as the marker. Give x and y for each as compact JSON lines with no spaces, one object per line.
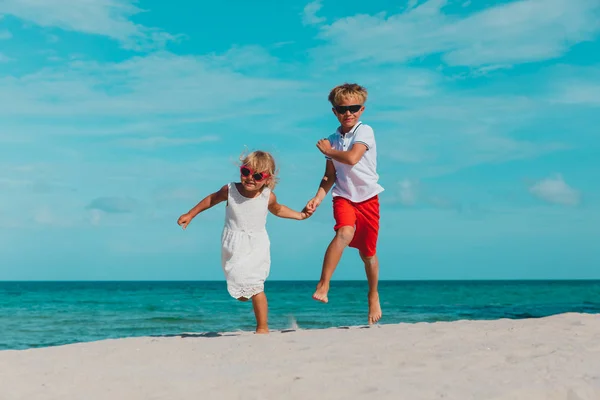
{"x":324,"y":188}
{"x":283,"y":211}
{"x":327,"y":181}
{"x":206,"y":203}
{"x":350,"y":157}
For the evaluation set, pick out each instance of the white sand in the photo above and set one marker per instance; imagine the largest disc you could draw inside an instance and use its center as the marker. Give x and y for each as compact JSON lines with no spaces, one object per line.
{"x":550,"y":358}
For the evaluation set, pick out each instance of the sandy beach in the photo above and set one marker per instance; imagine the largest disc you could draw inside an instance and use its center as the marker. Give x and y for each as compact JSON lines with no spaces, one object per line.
{"x":551,"y":358}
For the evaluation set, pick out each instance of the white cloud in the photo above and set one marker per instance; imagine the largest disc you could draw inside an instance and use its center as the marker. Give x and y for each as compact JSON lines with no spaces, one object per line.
{"x":409,"y":192}
{"x":161,"y":141}
{"x":159,"y":84}
{"x":60,"y":195}
{"x":576,"y":85}
{"x":309,"y":14}
{"x":12,"y":183}
{"x":44,"y":216}
{"x":114,"y":205}
{"x":109,"y":18}
{"x":516,"y":32}
{"x":556,"y":190}
{"x":95,"y":217}
{"x":412,"y":4}
{"x":573,"y":85}
{"x":448,"y":132}
{"x":4,"y":58}
{"x":168,"y":195}
{"x":4,"y":35}
{"x":242,"y":58}
{"x":581,"y":93}
{"x":52,"y":38}
{"x":399,"y":83}
{"x":49,"y":216}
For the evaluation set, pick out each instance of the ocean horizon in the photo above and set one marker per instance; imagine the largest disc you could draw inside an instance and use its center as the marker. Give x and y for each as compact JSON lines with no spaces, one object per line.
{"x":49,"y":313}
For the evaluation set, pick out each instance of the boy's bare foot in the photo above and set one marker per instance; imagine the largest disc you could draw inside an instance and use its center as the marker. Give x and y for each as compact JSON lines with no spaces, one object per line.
{"x":321,"y":293}
{"x":374,"y":308}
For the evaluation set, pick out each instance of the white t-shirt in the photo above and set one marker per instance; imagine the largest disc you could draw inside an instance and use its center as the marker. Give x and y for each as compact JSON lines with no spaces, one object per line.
{"x":356,"y":182}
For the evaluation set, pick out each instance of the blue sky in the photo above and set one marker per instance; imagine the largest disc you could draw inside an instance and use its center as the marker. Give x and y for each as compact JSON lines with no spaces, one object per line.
{"x":117,"y":116}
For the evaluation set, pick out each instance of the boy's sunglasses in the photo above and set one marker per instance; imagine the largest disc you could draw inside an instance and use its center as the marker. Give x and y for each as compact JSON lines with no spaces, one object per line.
{"x":353,"y":109}
{"x":257,"y":176}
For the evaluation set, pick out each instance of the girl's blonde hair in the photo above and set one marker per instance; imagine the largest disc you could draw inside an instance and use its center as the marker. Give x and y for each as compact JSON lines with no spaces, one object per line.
{"x":262,"y":161}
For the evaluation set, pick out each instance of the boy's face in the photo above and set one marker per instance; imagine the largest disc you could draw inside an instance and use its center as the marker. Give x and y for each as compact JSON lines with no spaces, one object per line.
{"x":346,"y":117}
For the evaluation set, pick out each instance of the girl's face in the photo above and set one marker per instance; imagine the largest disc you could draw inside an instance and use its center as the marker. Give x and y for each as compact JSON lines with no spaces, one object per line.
{"x":253,"y":180}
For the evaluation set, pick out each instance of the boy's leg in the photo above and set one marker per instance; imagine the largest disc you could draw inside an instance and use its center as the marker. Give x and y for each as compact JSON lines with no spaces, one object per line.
{"x":342,"y":239}
{"x":261,"y":310}
{"x":367,"y":228}
{"x":372,"y":271}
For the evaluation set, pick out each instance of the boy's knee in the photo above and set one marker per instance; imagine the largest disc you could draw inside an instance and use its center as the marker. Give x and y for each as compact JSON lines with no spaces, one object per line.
{"x":369,"y":260}
{"x":345,"y":234}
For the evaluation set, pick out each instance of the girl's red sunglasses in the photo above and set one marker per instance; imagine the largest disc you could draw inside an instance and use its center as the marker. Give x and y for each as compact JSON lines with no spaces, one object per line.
{"x":257,"y":176}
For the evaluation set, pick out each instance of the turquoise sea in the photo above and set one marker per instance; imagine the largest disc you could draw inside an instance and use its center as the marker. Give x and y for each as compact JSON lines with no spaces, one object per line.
{"x":37,"y":314}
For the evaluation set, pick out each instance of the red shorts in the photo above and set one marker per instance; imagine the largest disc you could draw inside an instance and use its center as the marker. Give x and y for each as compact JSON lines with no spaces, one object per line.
{"x":364,"y":217}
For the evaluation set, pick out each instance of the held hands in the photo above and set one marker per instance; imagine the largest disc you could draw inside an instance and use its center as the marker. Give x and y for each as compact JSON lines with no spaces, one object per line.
{"x":304,"y":214}
{"x":312,"y":205}
{"x":184,"y":220}
{"x":310,"y":208}
{"x":324,"y":146}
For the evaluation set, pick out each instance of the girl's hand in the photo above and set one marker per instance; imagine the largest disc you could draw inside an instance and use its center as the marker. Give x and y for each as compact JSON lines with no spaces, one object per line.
{"x":184,"y":220}
{"x":304,"y":215}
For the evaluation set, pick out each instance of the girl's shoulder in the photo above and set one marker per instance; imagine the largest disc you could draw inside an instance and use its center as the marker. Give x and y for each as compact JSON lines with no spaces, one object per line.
{"x":223,"y":192}
{"x":267,"y":193}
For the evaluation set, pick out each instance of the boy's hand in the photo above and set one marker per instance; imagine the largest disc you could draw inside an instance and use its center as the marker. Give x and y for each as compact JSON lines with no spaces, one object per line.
{"x":324,"y":146}
{"x":312,"y":205}
{"x":184,"y":220}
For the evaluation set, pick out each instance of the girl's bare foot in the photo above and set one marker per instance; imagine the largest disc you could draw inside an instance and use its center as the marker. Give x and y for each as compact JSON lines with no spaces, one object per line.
{"x":374,"y":308}
{"x":321,"y":293}
{"x":262,"y":331}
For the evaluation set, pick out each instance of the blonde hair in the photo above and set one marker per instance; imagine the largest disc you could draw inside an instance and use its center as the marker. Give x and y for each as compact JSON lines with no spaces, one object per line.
{"x":262,"y":161}
{"x":347,"y":90}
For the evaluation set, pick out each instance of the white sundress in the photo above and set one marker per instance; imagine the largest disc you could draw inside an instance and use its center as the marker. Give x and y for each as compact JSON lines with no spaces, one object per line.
{"x":245,"y":245}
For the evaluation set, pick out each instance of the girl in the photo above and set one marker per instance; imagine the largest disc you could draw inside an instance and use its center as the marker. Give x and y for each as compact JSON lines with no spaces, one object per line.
{"x":245,"y":245}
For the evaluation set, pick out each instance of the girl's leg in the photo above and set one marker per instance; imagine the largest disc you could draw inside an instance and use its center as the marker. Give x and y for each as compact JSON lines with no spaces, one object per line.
{"x":261,"y":309}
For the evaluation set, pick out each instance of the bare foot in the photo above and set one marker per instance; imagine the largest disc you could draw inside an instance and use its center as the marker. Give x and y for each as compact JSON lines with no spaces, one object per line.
{"x":374,"y":308}
{"x":321,"y":293}
{"x":262,"y":331}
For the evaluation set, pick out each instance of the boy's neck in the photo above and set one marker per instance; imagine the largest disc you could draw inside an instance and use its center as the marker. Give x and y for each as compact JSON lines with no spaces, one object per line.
{"x":344,"y":130}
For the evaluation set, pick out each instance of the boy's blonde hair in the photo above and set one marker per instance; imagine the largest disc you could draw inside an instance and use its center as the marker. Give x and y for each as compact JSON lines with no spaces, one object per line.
{"x":262,"y":161}
{"x":347,"y":90}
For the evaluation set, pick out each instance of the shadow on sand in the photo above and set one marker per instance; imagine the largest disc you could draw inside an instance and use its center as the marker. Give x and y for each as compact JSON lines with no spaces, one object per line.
{"x":219,"y":334}
{"x":198,"y":335}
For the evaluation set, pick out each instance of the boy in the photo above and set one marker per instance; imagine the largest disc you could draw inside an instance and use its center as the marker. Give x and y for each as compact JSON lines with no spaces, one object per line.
{"x":351,"y":165}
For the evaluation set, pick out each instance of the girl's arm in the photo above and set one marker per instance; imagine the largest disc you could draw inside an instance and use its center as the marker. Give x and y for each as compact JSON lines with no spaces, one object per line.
{"x":206,"y":203}
{"x":284,"y":212}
